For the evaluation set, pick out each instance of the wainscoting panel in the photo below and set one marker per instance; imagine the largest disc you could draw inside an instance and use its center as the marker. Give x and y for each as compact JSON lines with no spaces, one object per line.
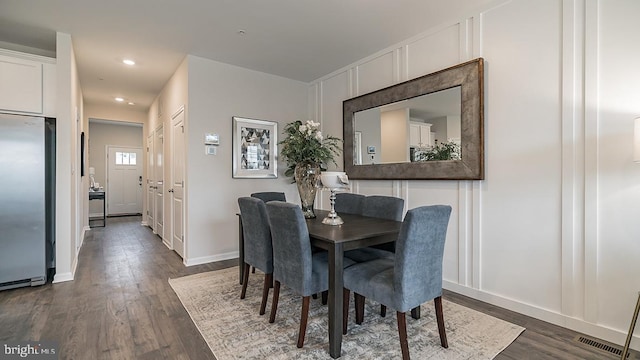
{"x":377,"y":73}
{"x":550,"y":231}
{"x":433,"y":52}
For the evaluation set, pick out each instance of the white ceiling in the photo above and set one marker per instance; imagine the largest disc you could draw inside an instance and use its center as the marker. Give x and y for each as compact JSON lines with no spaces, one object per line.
{"x":297,"y":39}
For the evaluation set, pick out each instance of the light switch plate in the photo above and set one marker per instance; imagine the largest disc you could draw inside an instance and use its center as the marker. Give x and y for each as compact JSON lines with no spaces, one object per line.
{"x":211,"y":139}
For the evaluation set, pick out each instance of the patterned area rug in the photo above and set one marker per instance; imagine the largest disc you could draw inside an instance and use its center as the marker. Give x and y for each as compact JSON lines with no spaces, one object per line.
{"x":234,"y":330}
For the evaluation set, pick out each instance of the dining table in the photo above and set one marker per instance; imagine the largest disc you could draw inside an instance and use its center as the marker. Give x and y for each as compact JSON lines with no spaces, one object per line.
{"x":357,"y":232}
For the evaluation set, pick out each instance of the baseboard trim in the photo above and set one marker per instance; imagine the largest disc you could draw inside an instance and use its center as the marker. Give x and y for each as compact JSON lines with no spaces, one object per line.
{"x":599,"y":331}
{"x":210,"y":259}
{"x":64,"y":277}
{"x":144,"y":223}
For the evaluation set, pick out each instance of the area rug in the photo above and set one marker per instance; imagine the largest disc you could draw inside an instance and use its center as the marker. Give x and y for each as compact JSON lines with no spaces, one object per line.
{"x":233,"y":329}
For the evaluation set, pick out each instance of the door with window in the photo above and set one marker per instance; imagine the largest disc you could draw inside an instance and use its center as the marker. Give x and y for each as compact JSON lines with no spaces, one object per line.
{"x":124,"y":180}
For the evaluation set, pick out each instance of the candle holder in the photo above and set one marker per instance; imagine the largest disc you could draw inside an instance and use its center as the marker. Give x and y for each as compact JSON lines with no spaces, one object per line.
{"x":332,"y":218}
{"x":333,"y":181}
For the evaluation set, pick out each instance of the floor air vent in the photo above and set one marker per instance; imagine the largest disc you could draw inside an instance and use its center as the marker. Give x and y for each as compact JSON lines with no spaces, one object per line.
{"x":601,"y":346}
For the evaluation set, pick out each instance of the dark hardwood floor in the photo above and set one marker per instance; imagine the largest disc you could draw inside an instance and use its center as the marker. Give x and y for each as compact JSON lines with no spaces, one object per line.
{"x":120,"y":306}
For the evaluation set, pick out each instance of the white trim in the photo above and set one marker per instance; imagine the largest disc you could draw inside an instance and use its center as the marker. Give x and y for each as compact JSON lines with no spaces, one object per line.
{"x":591,"y":329}
{"x":26,"y":56}
{"x":144,"y":223}
{"x":210,"y":259}
{"x":58,"y":278}
{"x":68,"y":276}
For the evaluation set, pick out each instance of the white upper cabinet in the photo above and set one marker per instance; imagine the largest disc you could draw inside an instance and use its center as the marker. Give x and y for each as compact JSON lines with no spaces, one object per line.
{"x":420,"y":134}
{"x":26,"y":86}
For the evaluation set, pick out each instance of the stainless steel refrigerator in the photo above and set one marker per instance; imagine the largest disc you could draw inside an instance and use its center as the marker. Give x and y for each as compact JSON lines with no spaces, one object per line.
{"x":27,"y":200}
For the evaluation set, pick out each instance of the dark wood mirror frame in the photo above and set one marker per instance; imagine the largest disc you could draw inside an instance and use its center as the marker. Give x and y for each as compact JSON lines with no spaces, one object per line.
{"x":468,"y":75}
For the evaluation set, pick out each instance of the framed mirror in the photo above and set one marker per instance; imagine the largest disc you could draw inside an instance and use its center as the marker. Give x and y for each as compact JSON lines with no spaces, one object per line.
{"x":431,"y":127}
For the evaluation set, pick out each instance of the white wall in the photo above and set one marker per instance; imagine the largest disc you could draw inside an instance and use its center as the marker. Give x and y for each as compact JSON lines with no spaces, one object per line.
{"x":212,"y":93}
{"x":217,"y":92}
{"x":70,"y":225}
{"x":552,"y":231}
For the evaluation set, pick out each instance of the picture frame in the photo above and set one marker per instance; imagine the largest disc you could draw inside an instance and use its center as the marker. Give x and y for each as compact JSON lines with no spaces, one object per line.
{"x":255,"y":148}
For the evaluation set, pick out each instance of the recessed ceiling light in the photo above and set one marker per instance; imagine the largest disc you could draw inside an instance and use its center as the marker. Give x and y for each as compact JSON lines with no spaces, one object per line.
{"x":130,"y":103}
{"x":129,"y":62}
{"x":119,"y":99}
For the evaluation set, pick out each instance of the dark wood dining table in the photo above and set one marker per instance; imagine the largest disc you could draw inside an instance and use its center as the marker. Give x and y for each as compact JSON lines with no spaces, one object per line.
{"x":356,"y":232}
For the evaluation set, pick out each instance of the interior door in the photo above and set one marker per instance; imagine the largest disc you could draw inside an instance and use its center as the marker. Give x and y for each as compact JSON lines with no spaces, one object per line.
{"x":150,"y":183}
{"x":177,"y":182}
{"x":159,"y":182}
{"x":124,"y":180}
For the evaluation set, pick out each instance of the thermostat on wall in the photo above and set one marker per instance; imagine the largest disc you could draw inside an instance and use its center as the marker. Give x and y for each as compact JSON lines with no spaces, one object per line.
{"x":211,"y":139}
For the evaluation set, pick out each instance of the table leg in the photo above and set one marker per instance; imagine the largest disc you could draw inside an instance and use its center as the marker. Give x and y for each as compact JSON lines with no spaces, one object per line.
{"x":335,"y":300}
{"x":240,"y":248}
{"x":104,"y":210}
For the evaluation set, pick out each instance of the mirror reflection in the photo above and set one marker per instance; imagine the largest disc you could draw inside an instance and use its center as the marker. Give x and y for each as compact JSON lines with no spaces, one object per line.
{"x":423,"y":128}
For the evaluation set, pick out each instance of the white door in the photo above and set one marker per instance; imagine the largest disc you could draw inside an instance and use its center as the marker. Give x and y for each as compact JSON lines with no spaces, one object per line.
{"x":124,"y":180}
{"x":177,"y":182}
{"x":150,"y":184}
{"x":159,"y":182}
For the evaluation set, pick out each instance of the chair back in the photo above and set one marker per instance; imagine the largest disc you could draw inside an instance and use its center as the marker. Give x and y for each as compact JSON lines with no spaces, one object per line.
{"x":258,"y":250}
{"x":292,"y":259}
{"x":383,"y":207}
{"x":269,"y":196}
{"x":419,"y":254}
{"x":348,"y":203}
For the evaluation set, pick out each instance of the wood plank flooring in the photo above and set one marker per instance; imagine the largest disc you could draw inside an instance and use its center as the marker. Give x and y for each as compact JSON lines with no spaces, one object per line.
{"x":120,"y":306}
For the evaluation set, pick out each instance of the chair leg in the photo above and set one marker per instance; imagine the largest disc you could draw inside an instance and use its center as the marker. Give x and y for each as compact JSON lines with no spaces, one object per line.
{"x":245,"y":281}
{"x":383,"y":310}
{"x":253,"y":270}
{"x":325,"y":297}
{"x":415,"y":312}
{"x":345,"y":309}
{"x":440,"y":318}
{"x":268,"y":280}
{"x":402,"y":331}
{"x":274,"y":303}
{"x":359,"y":300}
{"x":314,"y":296}
{"x":303,"y":320}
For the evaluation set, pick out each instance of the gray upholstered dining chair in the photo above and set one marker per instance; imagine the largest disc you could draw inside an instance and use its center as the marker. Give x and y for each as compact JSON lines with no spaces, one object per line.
{"x":267,"y":196}
{"x":381,"y":207}
{"x":258,"y":251}
{"x":294,"y":265}
{"x":412,"y":278}
{"x":349,"y":203}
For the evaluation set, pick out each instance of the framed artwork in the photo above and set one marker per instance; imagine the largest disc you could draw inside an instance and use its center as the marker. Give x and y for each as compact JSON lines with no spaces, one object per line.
{"x":254,"y":148}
